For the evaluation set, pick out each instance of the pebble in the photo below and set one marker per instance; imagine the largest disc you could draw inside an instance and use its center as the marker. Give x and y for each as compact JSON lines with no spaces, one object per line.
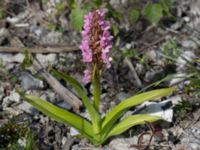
{"x":22,"y":142}
{"x":182,"y":60}
{"x":28,"y":108}
{"x":9,"y":58}
{"x":189,"y":44}
{"x":64,"y":105}
{"x":162,"y":109}
{"x":122,"y":96}
{"x":45,"y":60}
{"x":13,"y":97}
{"x":28,"y":82}
{"x":123,"y":143}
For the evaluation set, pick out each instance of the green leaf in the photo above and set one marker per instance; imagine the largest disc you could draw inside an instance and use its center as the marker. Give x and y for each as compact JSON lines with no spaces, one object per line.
{"x":61,"y":115}
{"x":73,"y":4}
{"x":60,"y":7}
{"x":153,"y":12}
{"x":95,"y":117}
{"x":97,"y":2}
{"x":28,"y":59}
{"x":121,"y":108}
{"x":71,"y":80}
{"x":115,"y":29}
{"x":77,"y":16}
{"x":166,"y":6}
{"x":134,"y":15}
{"x":131,"y":121}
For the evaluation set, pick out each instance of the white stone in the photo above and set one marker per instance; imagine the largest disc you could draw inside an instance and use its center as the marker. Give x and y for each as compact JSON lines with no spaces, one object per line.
{"x":73,"y":132}
{"x":123,"y":144}
{"x":13,"y":97}
{"x":156,"y":109}
{"x":45,"y":60}
{"x":189,"y":44}
{"x":186,"y":57}
{"x":22,"y":142}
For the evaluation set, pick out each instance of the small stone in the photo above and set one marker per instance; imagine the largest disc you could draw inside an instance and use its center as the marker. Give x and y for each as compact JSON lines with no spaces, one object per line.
{"x":64,"y":140}
{"x":45,"y":60}
{"x":128,"y":45}
{"x":13,"y":97}
{"x":122,"y":96}
{"x":152,"y":55}
{"x":28,"y":82}
{"x":73,"y":132}
{"x":9,"y":58}
{"x":22,"y":142}
{"x":123,"y":144}
{"x":139,"y":68}
{"x":64,"y":105}
{"x":189,"y":44}
{"x":162,"y":109}
{"x":11,"y":112}
{"x":153,"y":76}
{"x":28,"y":108}
{"x":185,"y":57}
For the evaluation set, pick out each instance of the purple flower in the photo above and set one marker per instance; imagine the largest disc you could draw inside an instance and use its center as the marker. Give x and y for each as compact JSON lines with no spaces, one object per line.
{"x":96,"y":43}
{"x":87,"y":76}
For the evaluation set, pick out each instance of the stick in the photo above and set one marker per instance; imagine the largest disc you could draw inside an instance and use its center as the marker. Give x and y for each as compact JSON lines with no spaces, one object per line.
{"x":69,"y":97}
{"x":135,"y":76}
{"x":38,"y":50}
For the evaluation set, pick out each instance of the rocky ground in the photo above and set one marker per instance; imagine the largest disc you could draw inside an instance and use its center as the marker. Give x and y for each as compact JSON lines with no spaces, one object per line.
{"x":145,"y":57}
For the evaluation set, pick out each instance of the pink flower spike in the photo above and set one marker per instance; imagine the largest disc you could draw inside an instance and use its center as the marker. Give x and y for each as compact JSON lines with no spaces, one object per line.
{"x":96,"y":43}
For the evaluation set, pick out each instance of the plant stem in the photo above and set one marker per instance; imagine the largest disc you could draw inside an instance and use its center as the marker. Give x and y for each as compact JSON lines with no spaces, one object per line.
{"x":97,"y":88}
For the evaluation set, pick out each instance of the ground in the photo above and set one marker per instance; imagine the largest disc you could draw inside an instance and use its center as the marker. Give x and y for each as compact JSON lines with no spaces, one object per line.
{"x":147,"y":54}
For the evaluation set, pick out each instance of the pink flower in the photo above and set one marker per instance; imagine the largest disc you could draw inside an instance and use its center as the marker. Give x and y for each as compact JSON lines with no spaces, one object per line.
{"x":87,"y":76}
{"x":96,"y":43}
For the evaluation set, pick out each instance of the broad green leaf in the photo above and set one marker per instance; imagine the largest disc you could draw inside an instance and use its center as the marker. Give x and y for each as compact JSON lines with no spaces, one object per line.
{"x":153,"y":12}
{"x":61,"y":115}
{"x":131,"y":121}
{"x":95,"y":117}
{"x":121,"y":108}
{"x":134,"y":15}
{"x":71,"y":80}
{"x":77,"y":16}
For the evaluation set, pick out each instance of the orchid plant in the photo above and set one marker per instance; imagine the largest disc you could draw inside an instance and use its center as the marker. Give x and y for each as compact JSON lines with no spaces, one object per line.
{"x":96,"y":46}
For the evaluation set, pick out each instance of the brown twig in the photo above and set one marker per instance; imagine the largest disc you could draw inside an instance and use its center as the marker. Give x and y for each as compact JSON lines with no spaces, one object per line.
{"x":153,"y":43}
{"x":153,"y":132}
{"x":134,"y":73}
{"x":63,"y":92}
{"x":38,"y":49}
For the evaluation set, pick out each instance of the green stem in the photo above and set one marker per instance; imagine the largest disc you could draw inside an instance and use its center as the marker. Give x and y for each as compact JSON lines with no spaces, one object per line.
{"x":97,"y":88}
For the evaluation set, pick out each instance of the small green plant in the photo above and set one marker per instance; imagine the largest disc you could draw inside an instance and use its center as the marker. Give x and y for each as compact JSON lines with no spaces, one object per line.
{"x":15,"y":136}
{"x":60,"y":7}
{"x":171,"y":49}
{"x":153,"y":11}
{"x":28,"y":60}
{"x":2,"y":13}
{"x":96,"y":45}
